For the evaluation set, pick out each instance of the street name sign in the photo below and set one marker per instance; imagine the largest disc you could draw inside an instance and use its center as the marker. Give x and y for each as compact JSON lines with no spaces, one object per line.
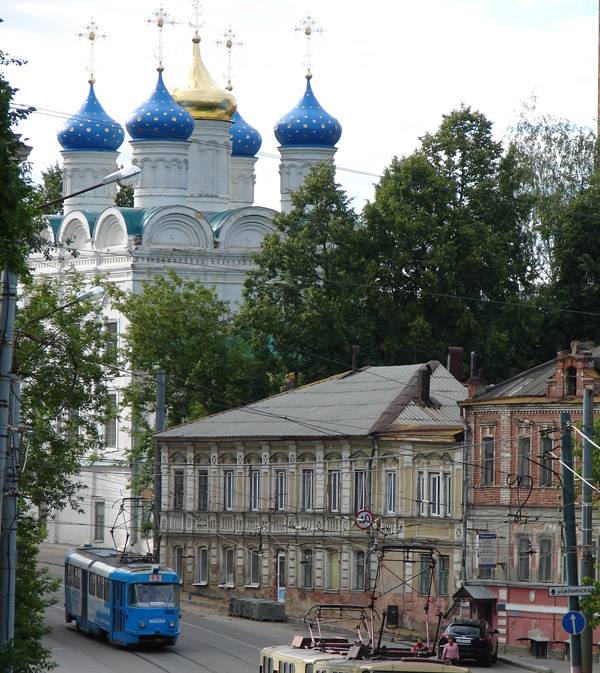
{"x":487,"y":550}
{"x":573,"y":622}
{"x":580,"y":590}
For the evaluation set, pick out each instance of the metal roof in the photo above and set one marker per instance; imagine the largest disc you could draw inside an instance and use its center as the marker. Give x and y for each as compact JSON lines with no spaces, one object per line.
{"x":477,"y":592}
{"x":530,"y":383}
{"x":370,"y":400}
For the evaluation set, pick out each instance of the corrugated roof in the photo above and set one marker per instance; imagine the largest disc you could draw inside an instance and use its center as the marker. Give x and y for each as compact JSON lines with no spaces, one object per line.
{"x":373,"y":399}
{"x":530,"y":383}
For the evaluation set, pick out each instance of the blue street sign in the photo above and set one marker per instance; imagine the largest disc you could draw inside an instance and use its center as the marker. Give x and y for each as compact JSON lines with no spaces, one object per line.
{"x":573,"y":622}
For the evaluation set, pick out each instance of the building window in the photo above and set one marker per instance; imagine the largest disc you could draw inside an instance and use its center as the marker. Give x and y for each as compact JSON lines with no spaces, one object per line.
{"x":110,"y":422}
{"x":252,"y":567}
{"x":545,"y":560}
{"x":523,"y":556}
{"x":487,"y":463}
{"x":447,"y":494}
{"x":571,"y":380}
{"x":443,"y":572}
{"x":360,"y":477}
{"x":435,"y":505}
{"x":228,"y":490}
{"x":280,"y":490}
{"x":332,"y":569}
{"x":390,"y":492}
{"x":112,"y":338}
{"x":228,"y":567}
{"x":421,"y":509}
{"x":202,"y":565}
{"x":425,"y":574}
{"x":333,"y":491}
{"x":485,"y":573}
{"x":178,"y":486}
{"x":546,"y":460}
{"x":254,"y":490}
{"x":203,"y":491}
{"x":177,"y":556}
{"x":358,"y":571}
{"x":99,"y":516}
{"x":306,"y":569}
{"x":524,"y":456}
{"x":307,"y":490}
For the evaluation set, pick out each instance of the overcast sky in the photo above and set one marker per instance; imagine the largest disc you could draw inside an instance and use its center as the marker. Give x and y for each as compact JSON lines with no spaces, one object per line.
{"x":387,"y":69}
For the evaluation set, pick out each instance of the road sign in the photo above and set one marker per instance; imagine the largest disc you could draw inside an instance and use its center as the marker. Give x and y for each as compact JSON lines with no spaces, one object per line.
{"x":364,"y":519}
{"x":573,"y":622}
{"x":580,"y":590}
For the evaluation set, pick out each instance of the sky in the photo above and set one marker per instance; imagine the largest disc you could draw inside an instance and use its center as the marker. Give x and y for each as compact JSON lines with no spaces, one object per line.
{"x":387,"y":69}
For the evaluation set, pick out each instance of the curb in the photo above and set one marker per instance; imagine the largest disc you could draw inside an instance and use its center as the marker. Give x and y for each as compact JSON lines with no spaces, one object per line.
{"x":526,"y":665}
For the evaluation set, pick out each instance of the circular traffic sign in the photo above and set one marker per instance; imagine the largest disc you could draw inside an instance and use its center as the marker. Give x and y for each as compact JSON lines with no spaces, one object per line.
{"x":574,"y":622}
{"x":364,"y":519}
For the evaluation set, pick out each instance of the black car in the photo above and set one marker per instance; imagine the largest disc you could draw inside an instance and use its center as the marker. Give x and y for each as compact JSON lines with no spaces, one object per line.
{"x":474,"y":638}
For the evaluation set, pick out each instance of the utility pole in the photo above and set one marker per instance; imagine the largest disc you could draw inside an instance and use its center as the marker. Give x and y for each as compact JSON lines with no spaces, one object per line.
{"x":8,"y":538}
{"x":587,"y":557}
{"x":570,"y":529}
{"x":161,"y":384}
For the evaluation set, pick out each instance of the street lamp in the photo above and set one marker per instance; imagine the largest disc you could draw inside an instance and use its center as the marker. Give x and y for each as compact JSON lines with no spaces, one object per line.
{"x":121,"y":174}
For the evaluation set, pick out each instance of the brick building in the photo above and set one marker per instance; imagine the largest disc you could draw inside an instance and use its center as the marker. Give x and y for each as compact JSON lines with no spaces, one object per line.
{"x":261,"y":500}
{"x":515,"y":492}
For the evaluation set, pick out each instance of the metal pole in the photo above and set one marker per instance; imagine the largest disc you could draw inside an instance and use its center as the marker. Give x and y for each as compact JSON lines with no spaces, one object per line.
{"x":161,"y":381}
{"x":587,"y":557}
{"x":570,"y":530}
{"x":465,"y":500}
{"x":8,"y":539}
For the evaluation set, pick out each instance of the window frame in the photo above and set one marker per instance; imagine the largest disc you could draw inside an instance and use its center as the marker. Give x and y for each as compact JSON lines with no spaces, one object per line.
{"x":202,"y":578}
{"x":329,"y":570}
{"x":391,"y":481}
{"x":488,"y":460}
{"x":547,"y":465}
{"x":421,"y":495}
{"x":544,"y":559}
{"x":359,"y":570}
{"x":203,"y":491}
{"x":111,"y":426}
{"x":308,"y":490}
{"x":252,"y":557}
{"x":523,"y":558}
{"x":97,"y":505}
{"x":360,"y":490}
{"x":228,"y":490}
{"x":333,"y":491}
{"x":434,"y":497}
{"x":425,"y":574}
{"x":178,"y":489}
{"x":280,"y":490}
{"x":227,"y":568}
{"x":443,"y":583}
{"x":254,"y":489}
{"x":524,"y":456}
{"x":305,"y":564}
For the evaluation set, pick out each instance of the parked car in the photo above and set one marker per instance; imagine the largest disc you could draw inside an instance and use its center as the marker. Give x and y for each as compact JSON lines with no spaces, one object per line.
{"x":475,"y":640}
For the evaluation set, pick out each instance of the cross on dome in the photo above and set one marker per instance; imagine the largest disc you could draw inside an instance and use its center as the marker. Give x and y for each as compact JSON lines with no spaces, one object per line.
{"x":91,"y":33}
{"x":160,"y":18}
{"x":309,"y":27}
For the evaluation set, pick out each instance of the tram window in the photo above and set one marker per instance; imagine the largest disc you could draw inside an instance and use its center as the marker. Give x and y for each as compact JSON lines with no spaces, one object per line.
{"x":69,"y":575}
{"x":92,"y":584}
{"x":106,"y":585}
{"x":77,"y":578}
{"x":153,"y":595}
{"x":100,"y":587}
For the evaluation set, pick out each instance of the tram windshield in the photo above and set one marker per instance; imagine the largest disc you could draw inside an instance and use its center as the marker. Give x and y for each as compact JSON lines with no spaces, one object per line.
{"x":153,"y":595}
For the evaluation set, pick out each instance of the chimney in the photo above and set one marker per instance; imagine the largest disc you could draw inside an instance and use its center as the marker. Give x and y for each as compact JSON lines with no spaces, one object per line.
{"x":292,"y":381}
{"x":355,"y":351}
{"x":454,"y":363}
{"x":424,"y":384}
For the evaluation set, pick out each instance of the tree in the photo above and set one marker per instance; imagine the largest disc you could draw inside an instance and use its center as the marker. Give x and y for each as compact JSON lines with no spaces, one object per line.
{"x":181,"y":326}
{"x":450,"y":254}
{"x":20,"y":228}
{"x":124,"y":198}
{"x":51,"y":188}
{"x":303,"y":304}
{"x":559,"y":158}
{"x":65,"y":367}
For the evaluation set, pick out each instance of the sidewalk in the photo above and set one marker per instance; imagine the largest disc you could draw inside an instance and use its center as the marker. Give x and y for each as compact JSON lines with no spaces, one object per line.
{"x":536,"y":664}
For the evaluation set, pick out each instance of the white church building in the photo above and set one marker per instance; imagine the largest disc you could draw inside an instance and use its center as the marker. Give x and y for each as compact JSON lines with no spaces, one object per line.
{"x":193,"y":213}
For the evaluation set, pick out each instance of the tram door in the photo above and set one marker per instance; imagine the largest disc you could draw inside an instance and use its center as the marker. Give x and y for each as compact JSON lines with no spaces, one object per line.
{"x":281,"y":577}
{"x":84,"y":594}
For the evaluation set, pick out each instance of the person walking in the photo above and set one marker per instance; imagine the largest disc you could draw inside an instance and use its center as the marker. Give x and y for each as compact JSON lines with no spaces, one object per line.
{"x":450,"y":653}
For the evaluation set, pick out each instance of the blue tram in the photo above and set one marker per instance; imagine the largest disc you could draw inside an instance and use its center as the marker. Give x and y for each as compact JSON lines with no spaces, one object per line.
{"x":127,"y":599}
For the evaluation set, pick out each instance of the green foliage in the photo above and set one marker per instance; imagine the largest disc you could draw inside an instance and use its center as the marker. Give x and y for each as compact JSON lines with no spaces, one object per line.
{"x":51,"y":189}
{"x":20,"y":227}
{"x":61,"y":360}
{"x":34,"y":589}
{"x":124,"y":198}
{"x":181,"y":327}
{"x":301,"y":298}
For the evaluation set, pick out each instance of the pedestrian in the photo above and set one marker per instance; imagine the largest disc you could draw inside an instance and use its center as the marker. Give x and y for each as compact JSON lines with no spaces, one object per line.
{"x":450,"y":652}
{"x":418,"y":648}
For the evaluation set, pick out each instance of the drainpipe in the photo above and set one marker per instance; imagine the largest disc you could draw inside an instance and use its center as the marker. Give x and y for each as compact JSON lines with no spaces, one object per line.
{"x":465,"y":495}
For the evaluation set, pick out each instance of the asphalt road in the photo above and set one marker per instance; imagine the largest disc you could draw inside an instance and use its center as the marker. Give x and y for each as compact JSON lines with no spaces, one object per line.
{"x":209,"y":643}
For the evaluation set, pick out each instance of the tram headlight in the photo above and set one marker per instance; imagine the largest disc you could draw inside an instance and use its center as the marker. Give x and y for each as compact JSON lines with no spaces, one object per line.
{"x":172,"y":625}
{"x":142,"y":625}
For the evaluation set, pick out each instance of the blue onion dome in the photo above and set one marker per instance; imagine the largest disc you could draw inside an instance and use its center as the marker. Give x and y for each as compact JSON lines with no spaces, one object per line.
{"x":308,"y":124}
{"x":91,"y":128}
{"x":245,"y":140}
{"x":160,"y":117}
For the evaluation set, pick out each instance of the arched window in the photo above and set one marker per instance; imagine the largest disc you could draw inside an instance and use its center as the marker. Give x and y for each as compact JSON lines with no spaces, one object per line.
{"x":306,"y":569}
{"x":252,"y":567}
{"x":332,"y":570}
{"x":202,"y":565}
{"x":228,"y":566}
{"x":523,"y":556}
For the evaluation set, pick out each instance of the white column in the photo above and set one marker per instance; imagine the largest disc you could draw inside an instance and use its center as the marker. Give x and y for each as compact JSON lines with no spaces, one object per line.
{"x":83,"y":169}
{"x":163,"y":180}
{"x":295,"y":165}
{"x":209,"y":181}
{"x":243,"y":179}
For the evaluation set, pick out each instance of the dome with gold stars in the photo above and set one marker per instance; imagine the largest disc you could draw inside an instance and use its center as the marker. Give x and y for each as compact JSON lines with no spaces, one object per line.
{"x":202,"y":97}
{"x":91,"y":129}
{"x":160,"y":117}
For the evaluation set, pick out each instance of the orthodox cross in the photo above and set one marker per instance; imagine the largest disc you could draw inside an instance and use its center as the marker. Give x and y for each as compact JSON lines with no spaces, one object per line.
{"x":160,"y":19}
{"x":229,"y":41}
{"x":197,"y":22}
{"x":309,"y":27}
{"x":91,"y":33}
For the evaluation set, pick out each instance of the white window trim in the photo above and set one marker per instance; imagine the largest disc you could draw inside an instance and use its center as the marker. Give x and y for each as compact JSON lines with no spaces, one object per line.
{"x":394,"y":482}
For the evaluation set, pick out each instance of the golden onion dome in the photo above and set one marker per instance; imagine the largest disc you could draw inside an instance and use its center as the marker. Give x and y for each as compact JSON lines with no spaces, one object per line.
{"x":203,"y":98}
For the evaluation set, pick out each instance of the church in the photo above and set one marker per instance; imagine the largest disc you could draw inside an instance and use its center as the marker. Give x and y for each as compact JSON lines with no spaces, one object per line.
{"x":193,"y":213}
